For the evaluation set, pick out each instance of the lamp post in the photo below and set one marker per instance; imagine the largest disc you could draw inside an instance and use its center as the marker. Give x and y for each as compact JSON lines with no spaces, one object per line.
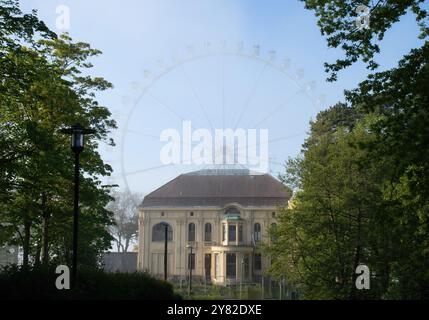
{"x":77,"y":133}
{"x":166,"y":225}
{"x":190,"y":268}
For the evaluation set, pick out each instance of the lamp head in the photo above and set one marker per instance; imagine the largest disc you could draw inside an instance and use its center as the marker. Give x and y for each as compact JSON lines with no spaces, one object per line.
{"x":77,"y":134}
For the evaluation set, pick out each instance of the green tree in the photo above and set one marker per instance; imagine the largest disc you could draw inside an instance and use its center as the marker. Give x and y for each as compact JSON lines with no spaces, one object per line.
{"x":401,"y":97}
{"x":337,"y":21}
{"x":329,"y":229}
{"x":403,"y":141}
{"x":370,"y":156}
{"x":44,"y":87}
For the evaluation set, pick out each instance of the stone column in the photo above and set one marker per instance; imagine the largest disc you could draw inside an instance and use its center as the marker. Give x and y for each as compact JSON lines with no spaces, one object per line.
{"x":199,"y":253}
{"x":227,"y":233}
{"x":147,"y":241}
{"x":141,"y":242}
{"x":238,"y":257}
{"x":181,"y":245}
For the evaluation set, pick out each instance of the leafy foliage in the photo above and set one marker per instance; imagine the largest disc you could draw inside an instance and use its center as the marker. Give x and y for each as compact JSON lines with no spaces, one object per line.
{"x":337,"y":21}
{"x":39,"y":284}
{"x":327,"y":232}
{"x":44,"y":87}
{"x":361,"y":182}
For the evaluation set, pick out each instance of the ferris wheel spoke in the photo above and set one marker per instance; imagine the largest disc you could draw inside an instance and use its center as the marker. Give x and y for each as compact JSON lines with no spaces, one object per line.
{"x":228,"y":119}
{"x":199,"y":158}
{"x":166,"y":106}
{"x":196,"y":96}
{"x":268,"y":161}
{"x":275,"y":140}
{"x":171,"y":110}
{"x":287,"y":137}
{"x":250,"y":96}
{"x":130,"y":173}
{"x":140,"y":133}
{"x":183,"y":143}
{"x":276,"y":109}
{"x":223,"y":91}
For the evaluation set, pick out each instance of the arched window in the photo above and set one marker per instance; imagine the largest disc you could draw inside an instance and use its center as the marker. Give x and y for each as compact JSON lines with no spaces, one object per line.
{"x":208,"y":232}
{"x":158,"y":233}
{"x":232,"y":211}
{"x":191,"y":232}
{"x":257,"y":232}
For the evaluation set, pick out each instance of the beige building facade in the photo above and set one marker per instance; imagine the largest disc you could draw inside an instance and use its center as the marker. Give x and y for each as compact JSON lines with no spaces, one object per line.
{"x":217,"y":221}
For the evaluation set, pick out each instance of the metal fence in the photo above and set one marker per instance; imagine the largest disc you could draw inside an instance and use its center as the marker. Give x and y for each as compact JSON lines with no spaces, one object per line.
{"x":264,"y":288}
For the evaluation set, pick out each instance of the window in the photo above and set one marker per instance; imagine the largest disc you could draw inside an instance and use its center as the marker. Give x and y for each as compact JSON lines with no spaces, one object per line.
{"x":232,"y":211}
{"x":223,"y":232}
{"x":191,"y":232}
{"x":231,"y":233}
{"x":208,"y":232}
{"x":208,"y":265}
{"x":257,"y":232}
{"x":162,"y":214}
{"x":158,"y":233}
{"x":192,"y":214}
{"x":231,"y":265}
{"x":240,"y":233}
{"x":191,"y":261}
{"x":246,"y":266}
{"x":273,"y":214}
{"x":258,"y":262}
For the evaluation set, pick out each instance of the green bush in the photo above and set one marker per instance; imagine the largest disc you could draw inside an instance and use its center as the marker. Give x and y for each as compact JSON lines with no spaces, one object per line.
{"x":17,"y":283}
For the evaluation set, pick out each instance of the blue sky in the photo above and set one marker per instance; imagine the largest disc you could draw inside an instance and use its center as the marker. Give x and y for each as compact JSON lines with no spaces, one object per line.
{"x":141,"y":38}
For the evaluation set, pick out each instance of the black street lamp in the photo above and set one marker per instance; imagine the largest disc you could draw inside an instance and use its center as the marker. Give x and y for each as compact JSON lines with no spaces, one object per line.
{"x":190,"y":262}
{"x":166,"y":225}
{"x":77,"y":133}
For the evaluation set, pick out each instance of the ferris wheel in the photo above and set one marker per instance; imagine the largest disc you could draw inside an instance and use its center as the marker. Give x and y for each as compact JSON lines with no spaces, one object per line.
{"x":212,"y":86}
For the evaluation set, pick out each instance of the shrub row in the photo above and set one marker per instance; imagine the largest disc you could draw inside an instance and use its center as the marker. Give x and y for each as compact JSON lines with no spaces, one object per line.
{"x":39,"y":284}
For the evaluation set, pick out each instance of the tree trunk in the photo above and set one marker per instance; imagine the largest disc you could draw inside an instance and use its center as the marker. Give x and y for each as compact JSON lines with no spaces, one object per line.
{"x":26,"y":246}
{"x":352,"y":293}
{"x":119,"y":242}
{"x":37,"y":255}
{"x":45,"y":234}
{"x":127,"y":244}
{"x":67,"y":253}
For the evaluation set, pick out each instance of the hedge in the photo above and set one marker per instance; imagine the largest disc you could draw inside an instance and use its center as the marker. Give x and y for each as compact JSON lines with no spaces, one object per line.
{"x":39,"y":284}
